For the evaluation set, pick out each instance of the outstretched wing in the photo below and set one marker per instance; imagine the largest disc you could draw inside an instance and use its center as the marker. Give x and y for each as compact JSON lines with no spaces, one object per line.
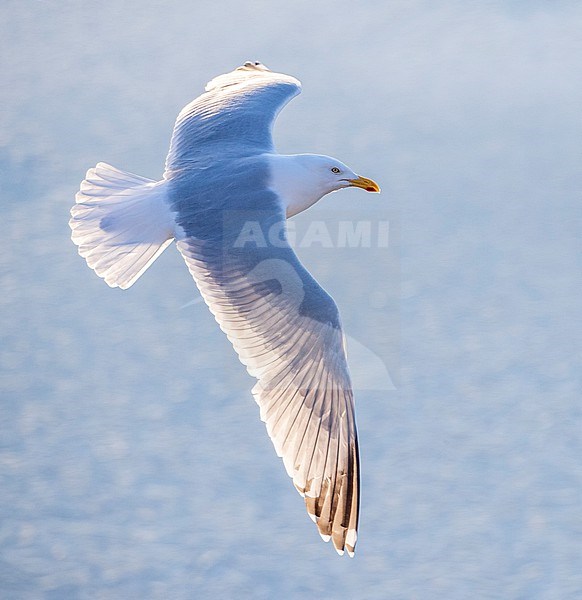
{"x":286,"y":330}
{"x":235,"y":114}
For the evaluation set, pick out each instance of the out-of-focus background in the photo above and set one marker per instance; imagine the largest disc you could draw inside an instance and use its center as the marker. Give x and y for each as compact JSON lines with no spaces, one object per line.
{"x":132,"y":460}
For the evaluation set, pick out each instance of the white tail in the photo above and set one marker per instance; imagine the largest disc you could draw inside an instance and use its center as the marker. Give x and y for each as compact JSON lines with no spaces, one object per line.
{"x":121,"y":223}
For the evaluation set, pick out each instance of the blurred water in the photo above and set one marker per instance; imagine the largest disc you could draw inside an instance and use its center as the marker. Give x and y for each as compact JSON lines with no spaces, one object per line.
{"x":132,"y":460}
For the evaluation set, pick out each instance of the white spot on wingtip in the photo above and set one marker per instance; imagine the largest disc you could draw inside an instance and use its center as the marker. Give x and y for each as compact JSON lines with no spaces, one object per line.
{"x":324,"y":537}
{"x":339,"y":551}
{"x":312,"y":517}
{"x":351,"y":553}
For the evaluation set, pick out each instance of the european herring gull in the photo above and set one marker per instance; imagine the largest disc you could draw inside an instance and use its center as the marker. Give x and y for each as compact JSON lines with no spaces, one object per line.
{"x":223,"y":185}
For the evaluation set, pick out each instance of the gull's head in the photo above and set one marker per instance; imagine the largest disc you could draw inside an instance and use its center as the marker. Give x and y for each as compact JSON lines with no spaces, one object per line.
{"x":302,"y":179}
{"x":330,"y":174}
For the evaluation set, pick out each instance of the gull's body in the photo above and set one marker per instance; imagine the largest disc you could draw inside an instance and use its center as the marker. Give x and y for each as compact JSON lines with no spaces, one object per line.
{"x":223,"y":183}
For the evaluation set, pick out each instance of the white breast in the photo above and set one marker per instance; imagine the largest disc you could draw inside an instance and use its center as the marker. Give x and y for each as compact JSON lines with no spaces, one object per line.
{"x":296,"y":184}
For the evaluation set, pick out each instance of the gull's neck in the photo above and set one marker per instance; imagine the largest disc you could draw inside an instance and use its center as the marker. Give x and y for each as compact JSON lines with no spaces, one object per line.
{"x":294,"y":182}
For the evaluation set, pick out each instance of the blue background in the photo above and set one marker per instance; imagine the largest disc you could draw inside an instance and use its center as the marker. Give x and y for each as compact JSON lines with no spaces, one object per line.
{"x":132,"y":460}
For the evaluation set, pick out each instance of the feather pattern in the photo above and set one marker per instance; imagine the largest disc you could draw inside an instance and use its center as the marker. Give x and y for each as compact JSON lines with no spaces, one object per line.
{"x":286,"y":330}
{"x":283,"y":325}
{"x":236,"y":114}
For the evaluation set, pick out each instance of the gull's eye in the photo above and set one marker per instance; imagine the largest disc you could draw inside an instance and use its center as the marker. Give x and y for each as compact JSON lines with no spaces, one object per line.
{"x":335,"y":170}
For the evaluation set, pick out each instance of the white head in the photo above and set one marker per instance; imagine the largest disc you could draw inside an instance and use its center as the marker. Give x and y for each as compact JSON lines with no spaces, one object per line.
{"x":302,"y":179}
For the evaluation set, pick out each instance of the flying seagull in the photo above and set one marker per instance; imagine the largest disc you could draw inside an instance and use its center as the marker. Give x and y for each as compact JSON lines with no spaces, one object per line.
{"x":224,"y":198}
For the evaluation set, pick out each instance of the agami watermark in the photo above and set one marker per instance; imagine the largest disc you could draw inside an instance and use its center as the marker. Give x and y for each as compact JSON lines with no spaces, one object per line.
{"x":354,"y":256}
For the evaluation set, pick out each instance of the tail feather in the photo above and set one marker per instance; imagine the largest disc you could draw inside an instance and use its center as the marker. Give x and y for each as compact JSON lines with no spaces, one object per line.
{"x":121,"y":223}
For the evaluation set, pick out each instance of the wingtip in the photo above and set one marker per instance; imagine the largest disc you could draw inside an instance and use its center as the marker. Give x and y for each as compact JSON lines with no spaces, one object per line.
{"x":253,"y":65}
